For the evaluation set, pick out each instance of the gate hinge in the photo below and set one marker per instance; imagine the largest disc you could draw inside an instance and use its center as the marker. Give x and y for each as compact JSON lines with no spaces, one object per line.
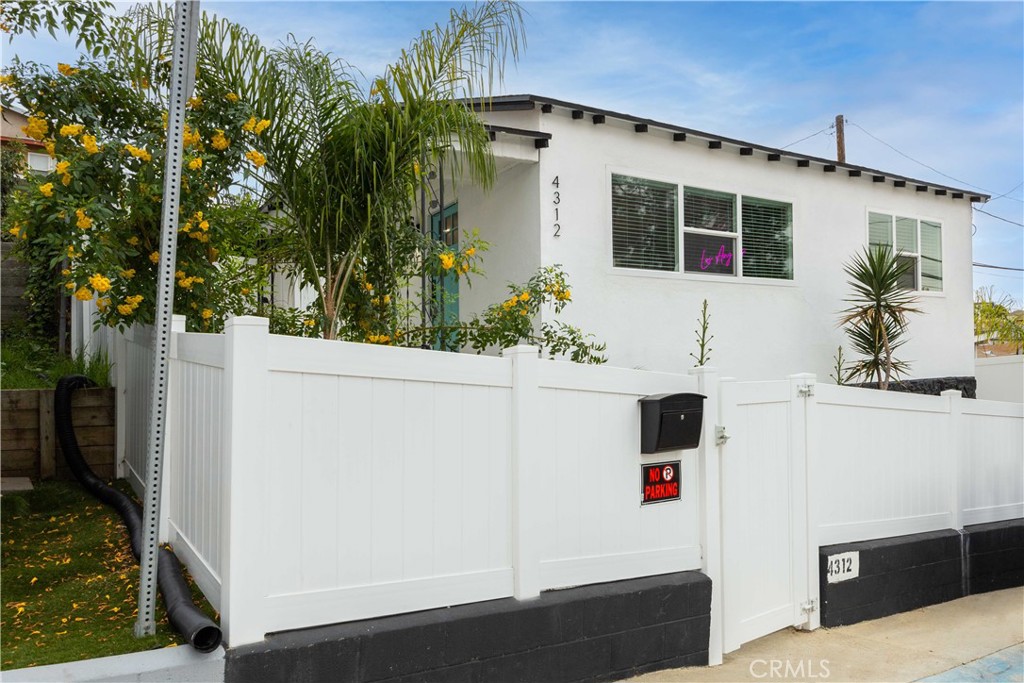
{"x":805,"y":390}
{"x":809,"y":606}
{"x":720,"y":436}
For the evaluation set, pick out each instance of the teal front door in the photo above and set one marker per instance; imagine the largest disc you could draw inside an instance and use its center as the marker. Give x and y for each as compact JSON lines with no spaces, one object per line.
{"x":444,"y":226}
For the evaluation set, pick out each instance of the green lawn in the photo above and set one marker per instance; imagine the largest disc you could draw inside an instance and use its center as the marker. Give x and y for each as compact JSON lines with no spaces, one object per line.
{"x":68,"y":580}
{"x":29,"y":363}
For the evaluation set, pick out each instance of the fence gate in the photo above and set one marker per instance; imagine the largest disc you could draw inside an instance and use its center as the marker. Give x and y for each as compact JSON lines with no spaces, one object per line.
{"x":764,"y":510}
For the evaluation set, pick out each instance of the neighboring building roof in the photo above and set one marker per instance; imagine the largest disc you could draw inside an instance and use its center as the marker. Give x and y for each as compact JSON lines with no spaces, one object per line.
{"x":680,"y":133}
{"x":11,"y":122}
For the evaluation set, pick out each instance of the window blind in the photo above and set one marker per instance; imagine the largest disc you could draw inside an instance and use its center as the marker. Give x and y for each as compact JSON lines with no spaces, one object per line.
{"x":931,"y":256}
{"x":906,"y":234}
{"x":767,"y":239}
{"x":643,"y":223}
{"x":709,"y":210}
{"x":879,"y":229}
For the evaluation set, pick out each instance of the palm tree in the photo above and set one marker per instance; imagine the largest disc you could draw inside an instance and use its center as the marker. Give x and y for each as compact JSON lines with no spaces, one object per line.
{"x":343,"y":166}
{"x":877,"y":316}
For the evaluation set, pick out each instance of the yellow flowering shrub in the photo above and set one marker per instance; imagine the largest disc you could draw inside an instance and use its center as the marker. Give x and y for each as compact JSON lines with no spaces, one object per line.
{"x":100,"y":209}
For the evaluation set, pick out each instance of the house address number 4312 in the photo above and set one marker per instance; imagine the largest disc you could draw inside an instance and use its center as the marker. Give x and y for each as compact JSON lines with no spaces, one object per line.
{"x":556,"y":199}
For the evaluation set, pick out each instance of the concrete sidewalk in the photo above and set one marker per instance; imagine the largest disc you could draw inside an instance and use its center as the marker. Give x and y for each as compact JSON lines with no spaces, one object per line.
{"x":904,"y":647}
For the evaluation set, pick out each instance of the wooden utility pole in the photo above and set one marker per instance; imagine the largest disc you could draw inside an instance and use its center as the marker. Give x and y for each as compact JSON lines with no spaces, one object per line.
{"x":840,"y":140}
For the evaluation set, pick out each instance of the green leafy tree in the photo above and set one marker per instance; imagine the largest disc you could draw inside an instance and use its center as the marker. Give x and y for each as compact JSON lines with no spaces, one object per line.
{"x":98,"y":213}
{"x":997,"y":319}
{"x":876,"y":320}
{"x":86,"y":18}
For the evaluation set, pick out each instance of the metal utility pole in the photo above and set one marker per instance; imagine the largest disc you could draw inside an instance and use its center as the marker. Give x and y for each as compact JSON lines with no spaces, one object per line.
{"x":183,"y":76}
{"x":840,"y":140}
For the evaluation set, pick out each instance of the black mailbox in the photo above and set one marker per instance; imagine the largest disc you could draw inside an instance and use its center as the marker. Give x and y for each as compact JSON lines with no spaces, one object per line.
{"x":670,"y":422}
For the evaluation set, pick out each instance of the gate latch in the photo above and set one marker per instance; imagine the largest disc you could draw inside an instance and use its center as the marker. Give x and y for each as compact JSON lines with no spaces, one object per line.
{"x":720,"y":436}
{"x":809,"y":606}
{"x":805,"y":390}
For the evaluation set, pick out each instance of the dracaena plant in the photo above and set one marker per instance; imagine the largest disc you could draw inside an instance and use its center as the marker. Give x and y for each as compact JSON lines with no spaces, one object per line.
{"x":876,"y":320}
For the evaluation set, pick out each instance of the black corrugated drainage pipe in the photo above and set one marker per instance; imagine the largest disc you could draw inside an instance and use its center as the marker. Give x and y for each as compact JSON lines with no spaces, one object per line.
{"x":185,"y":617}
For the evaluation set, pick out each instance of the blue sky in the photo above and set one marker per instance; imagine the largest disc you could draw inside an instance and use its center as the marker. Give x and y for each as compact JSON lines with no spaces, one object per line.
{"x":941,"y":82}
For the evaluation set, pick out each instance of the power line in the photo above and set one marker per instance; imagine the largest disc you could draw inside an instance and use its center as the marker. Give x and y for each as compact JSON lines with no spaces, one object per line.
{"x":826,"y":128}
{"x":932,"y":168}
{"x":987,"y":265}
{"x":1008,"y":192}
{"x":1005,"y":220}
{"x":901,"y":154}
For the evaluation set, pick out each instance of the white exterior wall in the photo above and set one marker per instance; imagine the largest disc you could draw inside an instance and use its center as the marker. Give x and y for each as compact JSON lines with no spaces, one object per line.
{"x":1000,"y":378}
{"x":762,"y":328}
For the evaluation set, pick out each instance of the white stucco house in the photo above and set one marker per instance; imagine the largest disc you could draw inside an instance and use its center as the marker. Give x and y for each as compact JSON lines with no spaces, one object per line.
{"x":649,"y":218}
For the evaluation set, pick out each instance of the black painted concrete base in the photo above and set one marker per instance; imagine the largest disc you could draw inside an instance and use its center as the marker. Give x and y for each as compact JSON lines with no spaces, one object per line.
{"x":903,"y":573}
{"x":995,"y":555}
{"x":595,"y":633}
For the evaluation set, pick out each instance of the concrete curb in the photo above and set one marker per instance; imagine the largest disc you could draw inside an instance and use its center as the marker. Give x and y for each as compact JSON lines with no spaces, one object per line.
{"x":177,"y":664}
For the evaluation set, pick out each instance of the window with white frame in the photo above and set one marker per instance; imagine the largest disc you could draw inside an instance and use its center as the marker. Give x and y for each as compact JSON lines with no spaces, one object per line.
{"x":41,"y":162}
{"x":716,"y":226}
{"x":916,"y":242}
{"x":643,"y":223}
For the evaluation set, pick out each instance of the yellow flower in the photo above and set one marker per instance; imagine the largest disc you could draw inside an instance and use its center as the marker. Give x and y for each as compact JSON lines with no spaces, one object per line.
{"x":16,"y":231}
{"x":195,"y":164}
{"x":36,"y":128}
{"x":83,"y":294}
{"x":470,"y":251}
{"x":72,"y":130}
{"x":191,"y":137}
{"x":62,"y":166}
{"x":50,"y":147}
{"x":128,"y":274}
{"x":69,"y":285}
{"x":256,"y":158}
{"x":84,"y":222}
{"x":447,"y":260}
{"x":249,"y":125}
{"x":204,"y":225}
{"x":89,"y":143}
{"x":525,"y":296}
{"x":416,"y":167}
{"x":100,"y":283}
{"x":244,"y":291}
{"x":138,"y":152}
{"x":65,"y":179}
{"x":154,"y":257}
{"x":46,"y":189}
{"x":72,"y":254}
{"x":101,"y":305}
{"x":231,"y":97}
{"x":134,"y":241}
{"x":367,"y":286}
{"x":134,"y":300}
{"x":125,"y":309}
{"x":66,"y":69}
{"x":387,"y":299}
{"x":218,"y":140}
{"x":207,"y":314}
{"x":6,"y":79}
{"x":261,"y":126}
{"x":195,"y":102}
{"x":309,"y":322}
{"x":65,"y":272}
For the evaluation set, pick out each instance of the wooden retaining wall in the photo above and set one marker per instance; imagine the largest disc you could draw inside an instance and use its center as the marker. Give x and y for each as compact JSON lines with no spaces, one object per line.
{"x":28,"y":437}
{"x":13,"y":275}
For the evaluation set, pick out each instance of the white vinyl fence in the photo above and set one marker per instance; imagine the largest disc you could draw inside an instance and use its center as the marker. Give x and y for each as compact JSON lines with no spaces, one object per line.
{"x":309,"y":482}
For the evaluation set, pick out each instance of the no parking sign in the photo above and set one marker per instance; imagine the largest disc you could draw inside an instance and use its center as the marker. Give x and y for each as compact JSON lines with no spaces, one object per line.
{"x":659,"y":482}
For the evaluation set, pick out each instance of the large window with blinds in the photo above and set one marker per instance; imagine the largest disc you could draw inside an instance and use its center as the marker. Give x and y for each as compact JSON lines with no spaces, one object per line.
{"x":916,"y":242}
{"x":722,"y":233}
{"x":643,"y":223}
